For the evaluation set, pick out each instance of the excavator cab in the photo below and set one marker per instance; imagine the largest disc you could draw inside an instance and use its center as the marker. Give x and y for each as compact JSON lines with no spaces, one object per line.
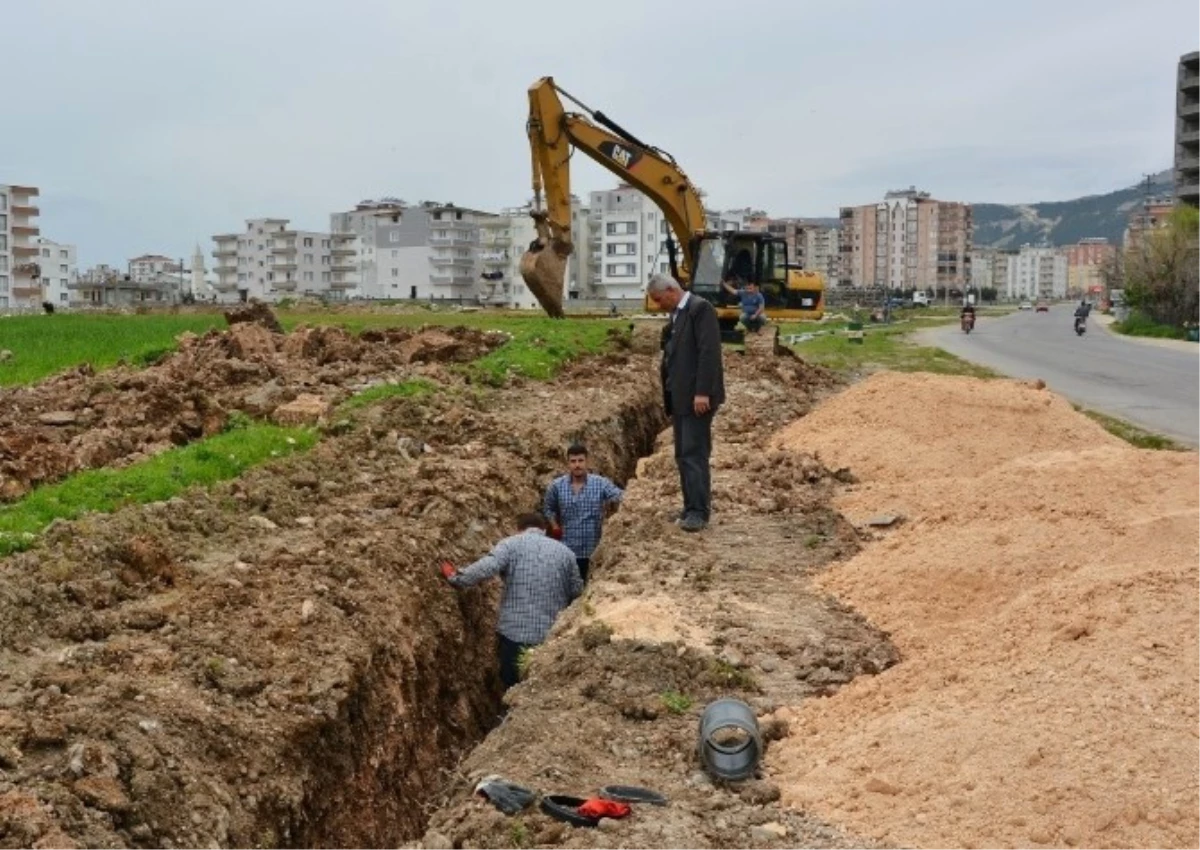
{"x":748,"y":256}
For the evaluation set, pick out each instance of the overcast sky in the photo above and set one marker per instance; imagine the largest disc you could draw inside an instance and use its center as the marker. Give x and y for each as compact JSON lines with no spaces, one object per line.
{"x":150,"y":126}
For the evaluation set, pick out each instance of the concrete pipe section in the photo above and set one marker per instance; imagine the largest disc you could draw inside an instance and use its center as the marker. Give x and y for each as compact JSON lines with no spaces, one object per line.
{"x":730,"y":743}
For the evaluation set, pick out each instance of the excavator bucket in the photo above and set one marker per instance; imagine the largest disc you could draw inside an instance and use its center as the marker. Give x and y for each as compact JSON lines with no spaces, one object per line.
{"x":544,"y":268}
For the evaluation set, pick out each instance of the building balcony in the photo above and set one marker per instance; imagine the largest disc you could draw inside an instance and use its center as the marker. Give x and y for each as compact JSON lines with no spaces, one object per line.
{"x":343,"y":250}
{"x":25,"y":230}
{"x":461,"y":262}
{"x":225,"y":269}
{"x":225,"y":285}
{"x":25,"y":192}
{"x":494,"y":256}
{"x":1190,"y":109}
{"x":287,"y":285}
{"x":344,"y":267}
{"x":453,"y":279}
{"x":26,"y":288}
{"x":1187,"y":163}
{"x":288,"y":264}
{"x":283,"y":247}
{"x":24,"y":251}
{"x":1189,"y":80}
{"x":24,"y":209}
{"x":452,"y":241}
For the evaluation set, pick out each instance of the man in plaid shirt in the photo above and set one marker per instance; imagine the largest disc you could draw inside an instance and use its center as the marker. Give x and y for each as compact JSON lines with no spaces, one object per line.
{"x":540,"y":580}
{"x":574,"y":505}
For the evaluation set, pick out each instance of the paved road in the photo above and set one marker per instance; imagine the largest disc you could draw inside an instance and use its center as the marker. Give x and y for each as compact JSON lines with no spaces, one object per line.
{"x":1157,"y":388}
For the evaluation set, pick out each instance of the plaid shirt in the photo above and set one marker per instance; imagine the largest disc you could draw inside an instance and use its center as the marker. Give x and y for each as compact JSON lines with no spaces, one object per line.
{"x":540,"y":580}
{"x":580,"y":514}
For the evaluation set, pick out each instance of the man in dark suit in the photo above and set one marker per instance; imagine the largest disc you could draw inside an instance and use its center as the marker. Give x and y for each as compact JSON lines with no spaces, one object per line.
{"x":693,"y":389}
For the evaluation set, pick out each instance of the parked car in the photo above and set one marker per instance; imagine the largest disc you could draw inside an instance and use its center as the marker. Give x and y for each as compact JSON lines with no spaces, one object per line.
{"x":1043,"y":307}
{"x":1026,"y":305}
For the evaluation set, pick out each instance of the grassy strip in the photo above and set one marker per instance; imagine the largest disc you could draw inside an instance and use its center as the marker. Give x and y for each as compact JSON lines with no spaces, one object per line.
{"x":1131,"y":433}
{"x":414,"y":388}
{"x":1139,"y":324}
{"x":204,"y":462}
{"x":883,"y":347}
{"x":43,"y":345}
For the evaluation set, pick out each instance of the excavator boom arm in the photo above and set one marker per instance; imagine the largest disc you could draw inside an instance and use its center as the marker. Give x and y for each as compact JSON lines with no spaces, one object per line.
{"x":552,"y":133}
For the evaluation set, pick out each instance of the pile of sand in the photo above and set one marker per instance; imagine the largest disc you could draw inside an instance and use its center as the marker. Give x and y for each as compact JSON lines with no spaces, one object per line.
{"x":1043,"y":592}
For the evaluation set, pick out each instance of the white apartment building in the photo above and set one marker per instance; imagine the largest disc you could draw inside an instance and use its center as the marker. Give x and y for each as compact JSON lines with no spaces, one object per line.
{"x":503,"y":240}
{"x":1037,"y":272}
{"x":269,"y":261}
{"x":57,"y":263}
{"x":20,"y":284}
{"x":429,"y":251}
{"x":625,"y":243}
{"x":149,"y":266}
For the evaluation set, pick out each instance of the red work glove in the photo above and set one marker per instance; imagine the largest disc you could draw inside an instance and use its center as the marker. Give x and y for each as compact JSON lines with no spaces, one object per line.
{"x":448,"y":571}
{"x":556,"y":532}
{"x":598,"y":808}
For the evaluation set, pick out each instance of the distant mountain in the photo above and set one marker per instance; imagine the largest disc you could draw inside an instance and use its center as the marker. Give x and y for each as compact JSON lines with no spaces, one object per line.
{"x":1062,"y":222}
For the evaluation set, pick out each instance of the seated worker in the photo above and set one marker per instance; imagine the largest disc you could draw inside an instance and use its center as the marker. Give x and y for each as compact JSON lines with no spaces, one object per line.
{"x":752,"y":301}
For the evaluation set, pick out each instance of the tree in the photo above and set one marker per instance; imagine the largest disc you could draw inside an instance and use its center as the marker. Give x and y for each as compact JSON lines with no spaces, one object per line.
{"x":1162,"y":277}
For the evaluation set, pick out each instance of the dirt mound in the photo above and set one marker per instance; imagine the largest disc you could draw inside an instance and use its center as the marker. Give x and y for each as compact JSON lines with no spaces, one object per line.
{"x":81,"y":420}
{"x":671,"y":621}
{"x":1042,"y":592}
{"x":255,"y":312}
{"x":275,"y":661}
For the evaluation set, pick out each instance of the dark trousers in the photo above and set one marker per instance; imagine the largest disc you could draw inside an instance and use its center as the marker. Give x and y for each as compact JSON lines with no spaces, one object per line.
{"x":509,"y":652}
{"x":582,"y":563}
{"x":693,"y":447}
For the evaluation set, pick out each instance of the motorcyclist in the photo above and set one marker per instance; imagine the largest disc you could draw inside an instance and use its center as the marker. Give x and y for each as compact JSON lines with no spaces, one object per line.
{"x":1081,"y":313}
{"x":968,"y":310}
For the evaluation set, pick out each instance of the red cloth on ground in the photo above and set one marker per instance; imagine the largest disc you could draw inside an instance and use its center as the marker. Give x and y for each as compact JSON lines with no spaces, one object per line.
{"x":598,"y":808}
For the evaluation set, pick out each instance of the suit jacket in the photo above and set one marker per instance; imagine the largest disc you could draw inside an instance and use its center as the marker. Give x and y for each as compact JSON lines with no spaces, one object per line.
{"x":691,"y":361}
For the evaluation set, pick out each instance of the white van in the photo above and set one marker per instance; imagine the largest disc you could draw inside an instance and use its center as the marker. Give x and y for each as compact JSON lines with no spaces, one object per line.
{"x":921,"y":298}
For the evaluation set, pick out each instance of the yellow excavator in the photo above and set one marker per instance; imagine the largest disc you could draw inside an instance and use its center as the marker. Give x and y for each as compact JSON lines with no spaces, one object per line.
{"x":699,"y":258}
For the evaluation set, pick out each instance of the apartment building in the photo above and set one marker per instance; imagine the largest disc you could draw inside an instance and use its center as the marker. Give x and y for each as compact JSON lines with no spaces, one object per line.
{"x":429,"y":251}
{"x":1187,"y":130}
{"x":57,"y":263}
{"x":20,"y":272}
{"x":908,"y":241}
{"x":1037,"y":272}
{"x":990,"y":269}
{"x":149,"y":266}
{"x":626,"y":242}
{"x":269,"y":261}
{"x":1154,"y":213}
{"x":1086,"y":261}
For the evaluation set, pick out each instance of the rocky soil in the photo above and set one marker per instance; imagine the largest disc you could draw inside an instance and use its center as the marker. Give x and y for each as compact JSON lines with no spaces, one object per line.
{"x":83,"y":420}
{"x":275,"y":661}
{"x":672,"y":621}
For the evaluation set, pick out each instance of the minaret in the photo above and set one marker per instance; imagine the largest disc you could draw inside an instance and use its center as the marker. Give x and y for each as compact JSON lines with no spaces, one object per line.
{"x":198,"y":273}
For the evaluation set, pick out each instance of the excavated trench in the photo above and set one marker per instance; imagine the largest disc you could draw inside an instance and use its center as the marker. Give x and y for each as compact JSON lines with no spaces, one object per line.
{"x":378,"y":773}
{"x":274,"y":661}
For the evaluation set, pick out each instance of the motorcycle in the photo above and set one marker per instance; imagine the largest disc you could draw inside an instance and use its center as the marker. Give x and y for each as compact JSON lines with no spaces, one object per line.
{"x":968,"y":322}
{"x":1080,"y":325}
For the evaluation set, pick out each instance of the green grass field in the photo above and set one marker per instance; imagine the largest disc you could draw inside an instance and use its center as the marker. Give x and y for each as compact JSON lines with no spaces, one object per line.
{"x":202,"y":463}
{"x":43,"y":345}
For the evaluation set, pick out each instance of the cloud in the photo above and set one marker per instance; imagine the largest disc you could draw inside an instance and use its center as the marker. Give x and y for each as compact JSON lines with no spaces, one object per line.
{"x":152,"y":126}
